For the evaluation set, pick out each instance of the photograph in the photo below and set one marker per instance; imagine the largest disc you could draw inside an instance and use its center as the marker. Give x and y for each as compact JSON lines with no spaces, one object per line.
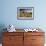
{"x":25,"y":13}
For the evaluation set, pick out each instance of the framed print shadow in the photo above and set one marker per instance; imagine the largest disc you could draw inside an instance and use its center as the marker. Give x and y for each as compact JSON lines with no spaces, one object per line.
{"x":25,"y":13}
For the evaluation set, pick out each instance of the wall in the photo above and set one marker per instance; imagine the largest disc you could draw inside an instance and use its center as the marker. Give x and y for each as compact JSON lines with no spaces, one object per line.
{"x":8,"y":13}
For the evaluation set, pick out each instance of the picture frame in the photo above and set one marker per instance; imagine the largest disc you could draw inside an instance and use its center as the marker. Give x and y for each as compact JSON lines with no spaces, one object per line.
{"x":25,"y":13}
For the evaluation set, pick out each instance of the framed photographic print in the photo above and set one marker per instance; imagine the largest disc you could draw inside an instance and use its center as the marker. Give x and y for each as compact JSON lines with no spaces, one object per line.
{"x":25,"y":13}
